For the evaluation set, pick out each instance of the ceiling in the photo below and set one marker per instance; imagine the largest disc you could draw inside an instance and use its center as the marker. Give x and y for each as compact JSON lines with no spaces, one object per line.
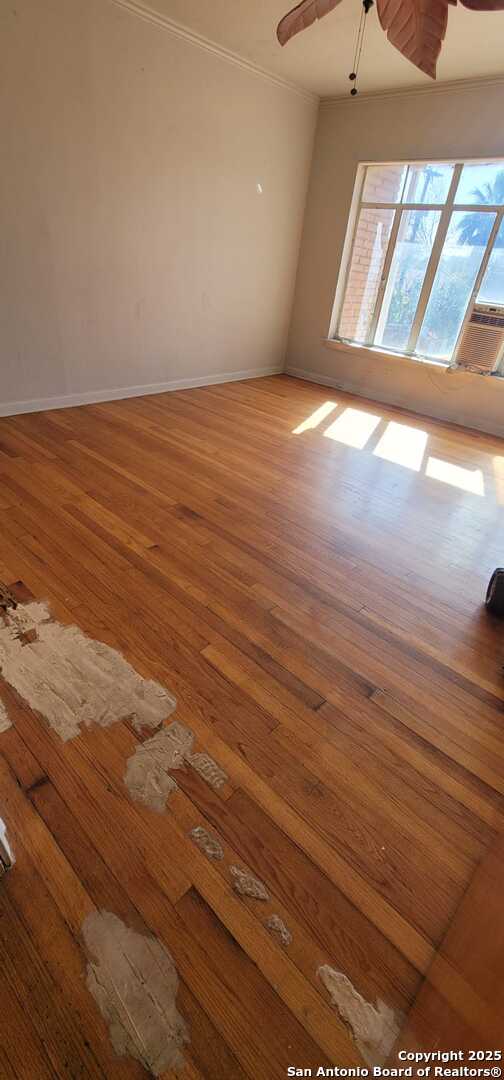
{"x":320,"y":59}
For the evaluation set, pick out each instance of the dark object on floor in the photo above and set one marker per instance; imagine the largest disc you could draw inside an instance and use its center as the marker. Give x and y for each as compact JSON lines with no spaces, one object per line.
{"x":7,"y":600}
{"x":495,"y":593}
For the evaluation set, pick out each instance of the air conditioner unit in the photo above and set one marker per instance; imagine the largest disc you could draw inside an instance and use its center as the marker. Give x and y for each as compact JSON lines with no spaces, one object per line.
{"x":481,"y":343}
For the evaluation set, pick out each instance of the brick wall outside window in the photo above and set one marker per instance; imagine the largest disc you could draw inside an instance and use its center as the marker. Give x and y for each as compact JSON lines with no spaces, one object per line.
{"x":383,"y":184}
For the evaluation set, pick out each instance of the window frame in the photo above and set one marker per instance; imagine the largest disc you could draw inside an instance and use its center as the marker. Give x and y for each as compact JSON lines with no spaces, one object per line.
{"x":446,"y":210}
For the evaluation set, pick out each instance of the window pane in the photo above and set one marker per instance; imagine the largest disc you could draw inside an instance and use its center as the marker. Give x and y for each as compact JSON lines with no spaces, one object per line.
{"x":368,"y":256}
{"x":492,"y":286}
{"x":480,"y":184}
{"x":460,"y":261}
{"x":384,"y":183}
{"x":428,"y":183}
{"x":415,"y":238}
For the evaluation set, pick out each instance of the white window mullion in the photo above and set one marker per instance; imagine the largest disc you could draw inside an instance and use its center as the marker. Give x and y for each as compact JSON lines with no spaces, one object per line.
{"x":385,"y":273}
{"x":437,"y":247}
{"x":468,"y":208}
{"x":403,"y":206}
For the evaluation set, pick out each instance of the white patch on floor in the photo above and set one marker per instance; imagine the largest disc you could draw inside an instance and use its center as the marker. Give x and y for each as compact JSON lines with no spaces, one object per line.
{"x":73,"y":680}
{"x":134,"y":982}
{"x":147,"y":773}
{"x":247,"y":884}
{"x":208,"y":769}
{"x":375,"y":1029}
{"x":279,"y":930}
{"x":209,"y":844}
{"x":6,"y":856}
{"x":5,"y":723}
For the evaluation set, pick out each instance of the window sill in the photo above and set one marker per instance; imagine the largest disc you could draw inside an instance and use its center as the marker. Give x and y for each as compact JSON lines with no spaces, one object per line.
{"x":375,"y":353}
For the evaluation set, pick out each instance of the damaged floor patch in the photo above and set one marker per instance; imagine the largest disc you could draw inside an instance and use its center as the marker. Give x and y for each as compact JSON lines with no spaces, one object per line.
{"x":5,"y":723}
{"x":278,"y":928}
{"x":6,"y":857}
{"x":7,"y":600}
{"x":209,"y":844}
{"x":375,"y":1030}
{"x":208,"y":769}
{"x":71,"y":679}
{"x":247,"y":884}
{"x":134,"y":982}
{"x":147,"y":774}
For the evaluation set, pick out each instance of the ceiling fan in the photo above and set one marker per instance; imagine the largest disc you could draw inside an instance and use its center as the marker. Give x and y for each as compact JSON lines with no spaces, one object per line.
{"x":415,"y":27}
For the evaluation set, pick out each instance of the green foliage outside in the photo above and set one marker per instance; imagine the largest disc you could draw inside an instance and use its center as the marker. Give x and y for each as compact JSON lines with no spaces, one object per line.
{"x":455,"y":276}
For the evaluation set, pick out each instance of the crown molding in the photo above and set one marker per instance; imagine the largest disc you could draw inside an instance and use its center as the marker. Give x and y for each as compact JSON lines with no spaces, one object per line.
{"x":143,"y":11}
{"x":456,"y":86}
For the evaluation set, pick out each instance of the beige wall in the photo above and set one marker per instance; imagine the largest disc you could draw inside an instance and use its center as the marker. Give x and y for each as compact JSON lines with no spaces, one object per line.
{"x":136,"y":249}
{"x":460,"y":124}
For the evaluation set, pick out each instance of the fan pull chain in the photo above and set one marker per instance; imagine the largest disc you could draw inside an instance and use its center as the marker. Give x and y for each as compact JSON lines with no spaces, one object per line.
{"x":366,"y":5}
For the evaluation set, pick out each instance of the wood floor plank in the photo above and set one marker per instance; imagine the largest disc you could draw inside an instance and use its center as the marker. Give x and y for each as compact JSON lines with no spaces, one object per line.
{"x":23,"y":1052}
{"x":258,"y":1000}
{"x":323,"y":923}
{"x":45,"y":966}
{"x":356,"y":887}
{"x":208,"y":1049}
{"x":322,"y":730}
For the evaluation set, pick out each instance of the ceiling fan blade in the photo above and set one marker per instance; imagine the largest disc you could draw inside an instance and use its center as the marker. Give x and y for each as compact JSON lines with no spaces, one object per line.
{"x":302,"y":16}
{"x":417,"y":29}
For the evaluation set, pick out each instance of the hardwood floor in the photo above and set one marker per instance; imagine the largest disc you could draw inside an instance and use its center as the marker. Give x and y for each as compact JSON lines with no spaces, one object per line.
{"x":316,"y":609}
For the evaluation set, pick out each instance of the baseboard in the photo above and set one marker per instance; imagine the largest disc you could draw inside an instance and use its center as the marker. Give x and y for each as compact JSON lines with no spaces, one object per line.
{"x":313,"y":376}
{"x":92,"y":397}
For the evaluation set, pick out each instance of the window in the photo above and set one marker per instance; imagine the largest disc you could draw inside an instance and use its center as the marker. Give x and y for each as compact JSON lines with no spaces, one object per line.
{"x":428,"y":242}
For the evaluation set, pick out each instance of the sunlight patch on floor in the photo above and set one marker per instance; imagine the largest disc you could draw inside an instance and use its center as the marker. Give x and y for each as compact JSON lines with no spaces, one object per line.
{"x":498,"y":468}
{"x":465,"y":479}
{"x":353,"y":428}
{"x":403,"y":445}
{"x":316,"y":417}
